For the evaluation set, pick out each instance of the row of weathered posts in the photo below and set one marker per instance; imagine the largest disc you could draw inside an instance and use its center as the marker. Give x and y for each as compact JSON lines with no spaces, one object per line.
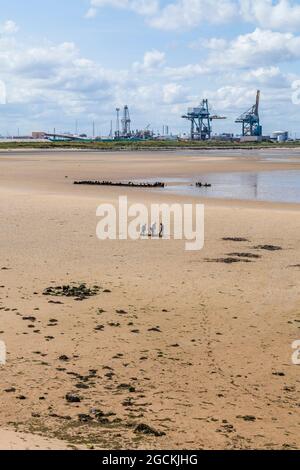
{"x":132,"y":185}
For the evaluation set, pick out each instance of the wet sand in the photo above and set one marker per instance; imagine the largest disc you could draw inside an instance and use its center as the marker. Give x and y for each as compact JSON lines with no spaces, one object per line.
{"x":195,"y":348}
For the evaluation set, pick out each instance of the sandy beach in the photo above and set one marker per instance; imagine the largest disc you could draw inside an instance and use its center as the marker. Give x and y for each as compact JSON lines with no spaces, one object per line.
{"x":195,"y":348}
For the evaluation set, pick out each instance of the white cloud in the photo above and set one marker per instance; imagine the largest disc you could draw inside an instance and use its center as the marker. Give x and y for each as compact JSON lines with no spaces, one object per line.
{"x":186,"y":72}
{"x":53,"y":80}
{"x":187,"y":14}
{"x":9,"y":27}
{"x":142,"y":7}
{"x":213,"y":43}
{"x":175,"y":15}
{"x":261,"y":47}
{"x":173,"y":93}
{"x":282,"y":14}
{"x":229,"y":97}
{"x":267,"y":77}
{"x":43,"y":61}
{"x":91,"y":13}
{"x":51,"y":84}
{"x":147,"y":98}
{"x":152,"y":60}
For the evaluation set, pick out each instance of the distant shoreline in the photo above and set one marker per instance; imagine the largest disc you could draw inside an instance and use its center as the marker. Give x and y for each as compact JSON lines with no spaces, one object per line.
{"x":143,"y":146}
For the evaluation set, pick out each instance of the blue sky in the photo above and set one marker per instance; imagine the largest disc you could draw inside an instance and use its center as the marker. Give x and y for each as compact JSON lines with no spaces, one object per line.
{"x":69,"y":60}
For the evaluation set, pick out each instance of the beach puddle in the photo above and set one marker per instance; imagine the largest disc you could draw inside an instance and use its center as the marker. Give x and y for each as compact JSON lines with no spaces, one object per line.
{"x":273,"y":186}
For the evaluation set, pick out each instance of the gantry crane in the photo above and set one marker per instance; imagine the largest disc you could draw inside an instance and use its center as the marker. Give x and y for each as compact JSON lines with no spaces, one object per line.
{"x":250,"y":120}
{"x":201,"y":120}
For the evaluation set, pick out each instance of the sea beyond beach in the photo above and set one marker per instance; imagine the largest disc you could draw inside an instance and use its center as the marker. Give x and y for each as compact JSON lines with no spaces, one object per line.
{"x":172,"y":349}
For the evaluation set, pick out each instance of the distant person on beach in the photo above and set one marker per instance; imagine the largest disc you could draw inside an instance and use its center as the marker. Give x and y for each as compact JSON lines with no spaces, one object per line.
{"x":152,"y":232}
{"x":161,"y":230}
{"x":144,"y":231}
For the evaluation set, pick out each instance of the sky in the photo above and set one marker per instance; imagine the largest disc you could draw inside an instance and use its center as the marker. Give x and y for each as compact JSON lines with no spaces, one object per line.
{"x":68,"y":61}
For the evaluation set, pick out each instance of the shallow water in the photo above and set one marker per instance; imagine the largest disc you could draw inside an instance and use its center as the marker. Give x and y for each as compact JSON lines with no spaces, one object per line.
{"x":275,"y":186}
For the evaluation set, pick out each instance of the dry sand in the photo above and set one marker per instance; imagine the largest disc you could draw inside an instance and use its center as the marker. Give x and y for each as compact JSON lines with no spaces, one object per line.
{"x":11,"y":440}
{"x":200,"y":351}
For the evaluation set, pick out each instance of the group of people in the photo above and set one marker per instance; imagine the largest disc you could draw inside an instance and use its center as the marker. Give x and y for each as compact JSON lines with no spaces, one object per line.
{"x":152,"y":232}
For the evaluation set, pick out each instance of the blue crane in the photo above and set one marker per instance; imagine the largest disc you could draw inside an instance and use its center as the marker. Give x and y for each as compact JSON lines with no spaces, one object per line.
{"x":201,"y":120}
{"x":250,"y":120}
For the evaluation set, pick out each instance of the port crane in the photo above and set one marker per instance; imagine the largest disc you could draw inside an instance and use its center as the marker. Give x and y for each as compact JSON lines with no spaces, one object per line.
{"x":201,"y":120}
{"x":250,"y":120}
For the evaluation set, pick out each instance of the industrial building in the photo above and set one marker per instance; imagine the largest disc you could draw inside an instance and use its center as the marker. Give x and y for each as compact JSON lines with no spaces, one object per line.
{"x":124,"y":131}
{"x":280,"y":136}
{"x":38,"y":135}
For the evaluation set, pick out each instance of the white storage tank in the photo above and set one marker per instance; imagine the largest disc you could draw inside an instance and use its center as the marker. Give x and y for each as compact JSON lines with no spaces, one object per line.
{"x":281,"y":136}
